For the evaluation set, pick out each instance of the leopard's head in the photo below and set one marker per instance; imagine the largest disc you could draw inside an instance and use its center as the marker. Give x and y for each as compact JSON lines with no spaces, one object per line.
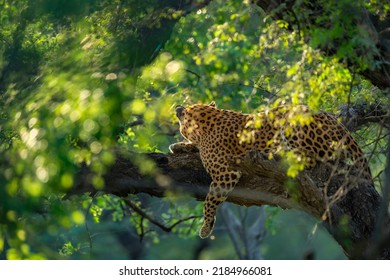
{"x":196,"y":120}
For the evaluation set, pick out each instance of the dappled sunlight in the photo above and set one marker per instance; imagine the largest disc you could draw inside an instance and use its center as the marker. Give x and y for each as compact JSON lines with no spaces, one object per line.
{"x":87,"y":84}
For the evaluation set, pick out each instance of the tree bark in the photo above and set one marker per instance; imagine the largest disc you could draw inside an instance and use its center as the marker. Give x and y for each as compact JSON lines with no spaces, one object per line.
{"x":350,"y":216}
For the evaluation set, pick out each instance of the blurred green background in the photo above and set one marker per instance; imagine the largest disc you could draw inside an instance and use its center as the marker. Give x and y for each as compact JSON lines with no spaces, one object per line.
{"x":79,"y":78}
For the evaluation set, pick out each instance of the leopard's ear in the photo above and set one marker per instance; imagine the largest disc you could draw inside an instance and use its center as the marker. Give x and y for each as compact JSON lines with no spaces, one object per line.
{"x":212,"y":104}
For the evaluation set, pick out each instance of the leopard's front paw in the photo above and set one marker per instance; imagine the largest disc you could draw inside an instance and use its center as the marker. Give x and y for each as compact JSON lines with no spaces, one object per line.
{"x":206,"y":229}
{"x":183,"y":147}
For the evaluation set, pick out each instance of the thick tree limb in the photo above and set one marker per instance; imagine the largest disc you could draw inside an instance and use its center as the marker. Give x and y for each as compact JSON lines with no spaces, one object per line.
{"x":350,"y":217}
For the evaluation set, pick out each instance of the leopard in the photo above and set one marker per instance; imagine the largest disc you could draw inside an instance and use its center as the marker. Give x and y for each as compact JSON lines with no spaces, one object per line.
{"x":220,"y":135}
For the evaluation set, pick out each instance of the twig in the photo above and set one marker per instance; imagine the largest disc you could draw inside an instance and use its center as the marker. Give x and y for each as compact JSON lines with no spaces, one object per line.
{"x":86,"y":223}
{"x":196,"y":74}
{"x":144,"y":215}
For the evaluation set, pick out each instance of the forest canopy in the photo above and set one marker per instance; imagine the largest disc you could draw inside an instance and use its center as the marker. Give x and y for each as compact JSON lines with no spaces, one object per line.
{"x":82,"y":82}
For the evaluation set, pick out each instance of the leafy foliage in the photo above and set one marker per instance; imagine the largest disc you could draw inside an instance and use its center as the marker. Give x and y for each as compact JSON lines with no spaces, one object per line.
{"x":80,"y":78}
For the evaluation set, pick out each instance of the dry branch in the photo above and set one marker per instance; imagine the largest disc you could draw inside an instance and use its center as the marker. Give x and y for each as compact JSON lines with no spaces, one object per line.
{"x":355,"y":116}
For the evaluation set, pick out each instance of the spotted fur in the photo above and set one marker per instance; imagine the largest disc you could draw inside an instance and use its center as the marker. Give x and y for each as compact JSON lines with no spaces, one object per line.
{"x":221,"y":134}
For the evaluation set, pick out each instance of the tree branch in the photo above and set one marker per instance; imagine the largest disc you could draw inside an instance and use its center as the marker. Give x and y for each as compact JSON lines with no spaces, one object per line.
{"x":151,"y":219}
{"x":356,"y":116}
{"x":350,"y":218}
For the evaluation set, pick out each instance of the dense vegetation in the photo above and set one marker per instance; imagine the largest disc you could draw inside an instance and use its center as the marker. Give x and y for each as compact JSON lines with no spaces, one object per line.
{"x":80,"y":80}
